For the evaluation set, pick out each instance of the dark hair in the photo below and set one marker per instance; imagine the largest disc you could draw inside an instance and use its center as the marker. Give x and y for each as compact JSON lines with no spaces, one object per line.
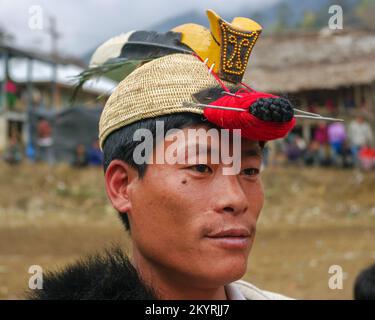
{"x":119,"y":145}
{"x":364,"y":287}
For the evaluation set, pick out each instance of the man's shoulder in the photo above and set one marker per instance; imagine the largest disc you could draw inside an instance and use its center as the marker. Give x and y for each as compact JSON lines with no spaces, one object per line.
{"x":251,"y":292}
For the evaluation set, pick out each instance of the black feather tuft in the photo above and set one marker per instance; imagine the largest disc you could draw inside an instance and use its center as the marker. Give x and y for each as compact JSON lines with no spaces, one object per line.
{"x":272,"y":109}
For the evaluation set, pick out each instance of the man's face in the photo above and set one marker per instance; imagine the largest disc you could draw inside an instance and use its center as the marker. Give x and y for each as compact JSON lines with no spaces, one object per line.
{"x":193,"y":221}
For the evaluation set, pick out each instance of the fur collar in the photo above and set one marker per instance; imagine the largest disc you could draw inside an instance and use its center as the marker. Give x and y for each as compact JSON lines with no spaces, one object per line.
{"x":109,"y":276}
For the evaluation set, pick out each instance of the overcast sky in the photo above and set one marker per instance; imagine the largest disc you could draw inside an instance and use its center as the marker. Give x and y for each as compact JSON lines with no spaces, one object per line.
{"x":83,"y":24}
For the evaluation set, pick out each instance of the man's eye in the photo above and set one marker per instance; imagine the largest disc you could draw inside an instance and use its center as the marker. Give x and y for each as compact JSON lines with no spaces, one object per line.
{"x":202,"y":168}
{"x":251,"y":171}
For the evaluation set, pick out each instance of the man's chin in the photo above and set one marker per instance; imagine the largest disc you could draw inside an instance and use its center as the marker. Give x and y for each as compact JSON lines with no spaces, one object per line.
{"x":226,"y":270}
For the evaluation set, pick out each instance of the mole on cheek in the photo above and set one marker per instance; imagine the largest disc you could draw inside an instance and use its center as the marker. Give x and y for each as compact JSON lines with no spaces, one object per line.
{"x":184,"y":181}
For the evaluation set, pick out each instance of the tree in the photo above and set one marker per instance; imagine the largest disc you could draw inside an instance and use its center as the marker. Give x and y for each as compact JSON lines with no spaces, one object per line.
{"x":283,"y":17}
{"x":366,"y":12}
{"x":309,"y":21}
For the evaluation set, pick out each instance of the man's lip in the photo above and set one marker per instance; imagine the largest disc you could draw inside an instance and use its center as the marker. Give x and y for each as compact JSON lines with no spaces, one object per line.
{"x":232,"y":232}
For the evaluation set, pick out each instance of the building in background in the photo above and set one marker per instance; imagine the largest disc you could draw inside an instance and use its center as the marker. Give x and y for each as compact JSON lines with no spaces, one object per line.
{"x":328,"y":72}
{"x":35,"y":83}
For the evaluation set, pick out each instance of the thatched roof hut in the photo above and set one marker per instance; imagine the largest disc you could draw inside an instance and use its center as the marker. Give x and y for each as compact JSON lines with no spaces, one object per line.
{"x":325,"y":60}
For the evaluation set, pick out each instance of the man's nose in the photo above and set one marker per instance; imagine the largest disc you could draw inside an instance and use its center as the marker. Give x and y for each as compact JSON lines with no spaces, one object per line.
{"x":230,"y":197}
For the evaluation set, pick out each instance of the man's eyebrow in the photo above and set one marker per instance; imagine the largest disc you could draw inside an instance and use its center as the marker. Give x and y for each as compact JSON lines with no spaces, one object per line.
{"x":251,"y":152}
{"x":197,"y":146}
{"x":254,"y":152}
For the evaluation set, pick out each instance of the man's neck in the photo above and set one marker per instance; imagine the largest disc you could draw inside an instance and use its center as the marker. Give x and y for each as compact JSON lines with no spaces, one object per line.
{"x":170,"y":287}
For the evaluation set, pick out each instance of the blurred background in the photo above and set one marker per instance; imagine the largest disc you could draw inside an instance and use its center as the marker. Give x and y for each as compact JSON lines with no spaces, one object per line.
{"x":319,"y":181}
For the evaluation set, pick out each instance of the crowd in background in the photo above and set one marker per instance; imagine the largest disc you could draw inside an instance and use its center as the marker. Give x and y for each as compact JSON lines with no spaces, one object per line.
{"x":43,"y":151}
{"x":331,"y":144}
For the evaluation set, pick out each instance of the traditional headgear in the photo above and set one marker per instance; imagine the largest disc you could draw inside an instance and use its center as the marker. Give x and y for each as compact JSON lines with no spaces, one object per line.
{"x":178,"y":71}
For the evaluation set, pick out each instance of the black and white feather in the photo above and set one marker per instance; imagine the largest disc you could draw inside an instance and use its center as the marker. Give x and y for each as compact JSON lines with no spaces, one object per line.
{"x":138,"y":46}
{"x":119,"y":56}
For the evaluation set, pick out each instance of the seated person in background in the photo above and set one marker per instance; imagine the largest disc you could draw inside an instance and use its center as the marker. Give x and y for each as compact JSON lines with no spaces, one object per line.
{"x":367,"y":157}
{"x":312,"y":154}
{"x":80,"y":157}
{"x":95,"y":155}
{"x":13,"y":152}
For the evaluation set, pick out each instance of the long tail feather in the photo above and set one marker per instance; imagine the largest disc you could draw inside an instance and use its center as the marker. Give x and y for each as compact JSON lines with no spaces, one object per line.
{"x":115,"y":69}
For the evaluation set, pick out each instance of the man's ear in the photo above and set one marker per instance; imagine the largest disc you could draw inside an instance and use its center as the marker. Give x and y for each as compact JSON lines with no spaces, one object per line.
{"x":119,"y":178}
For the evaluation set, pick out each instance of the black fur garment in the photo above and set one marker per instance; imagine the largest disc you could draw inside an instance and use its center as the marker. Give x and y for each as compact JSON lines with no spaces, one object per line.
{"x":99,"y":277}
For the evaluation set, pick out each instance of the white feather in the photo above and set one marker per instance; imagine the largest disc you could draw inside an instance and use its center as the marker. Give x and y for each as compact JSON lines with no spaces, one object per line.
{"x":109,"y":49}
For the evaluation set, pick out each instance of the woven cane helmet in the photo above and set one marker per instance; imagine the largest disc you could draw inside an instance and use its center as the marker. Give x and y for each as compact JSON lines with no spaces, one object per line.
{"x":157,"y":88}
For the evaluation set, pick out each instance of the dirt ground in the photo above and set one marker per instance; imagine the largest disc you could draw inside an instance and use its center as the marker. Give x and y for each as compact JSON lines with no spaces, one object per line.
{"x":313,"y":219}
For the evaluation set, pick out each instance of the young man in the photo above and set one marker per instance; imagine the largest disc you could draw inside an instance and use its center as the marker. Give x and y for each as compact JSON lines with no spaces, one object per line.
{"x":192,"y":227}
{"x":186,"y":184}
